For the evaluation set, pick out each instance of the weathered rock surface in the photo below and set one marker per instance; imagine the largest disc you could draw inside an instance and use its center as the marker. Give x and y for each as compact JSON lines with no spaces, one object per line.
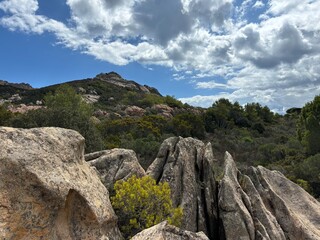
{"x":135,"y":111}
{"x":186,"y":164}
{"x":48,"y":191}
{"x":265,"y":205}
{"x":164,"y":231}
{"x":115,"y":164}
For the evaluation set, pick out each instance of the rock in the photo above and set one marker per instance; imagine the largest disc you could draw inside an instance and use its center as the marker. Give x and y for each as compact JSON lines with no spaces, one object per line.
{"x":265,"y":205}
{"x":48,"y":191}
{"x":163,"y":110}
{"x":164,"y":231}
{"x":90,"y":98}
{"x":114,"y":165}
{"x":186,"y":164}
{"x":135,"y":111}
{"x":296,"y":211}
{"x":234,"y":205}
{"x":22,"y":108}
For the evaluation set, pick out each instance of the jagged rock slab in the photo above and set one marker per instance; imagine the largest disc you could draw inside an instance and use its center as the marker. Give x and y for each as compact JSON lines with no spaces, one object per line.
{"x":116,"y":164}
{"x":48,"y":191}
{"x":265,"y":205}
{"x":186,"y":164}
{"x":164,"y":231}
{"x":296,"y":211}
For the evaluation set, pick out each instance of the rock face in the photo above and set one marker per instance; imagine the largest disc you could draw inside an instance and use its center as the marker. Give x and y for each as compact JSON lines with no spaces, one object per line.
{"x":258,"y":205}
{"x":186,"y":164}
{"x":164,"y":231}
{"x":48,"y":191}
{"x":265,"y":205}
{"x":115,"y":164}
{"x":135,"y":111}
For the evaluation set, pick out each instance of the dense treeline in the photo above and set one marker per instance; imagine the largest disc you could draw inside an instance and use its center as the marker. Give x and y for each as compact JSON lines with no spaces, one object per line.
{"x":252,"y":133}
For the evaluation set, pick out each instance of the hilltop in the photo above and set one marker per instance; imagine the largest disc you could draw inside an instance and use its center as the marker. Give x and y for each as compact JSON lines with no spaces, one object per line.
{"x":106,"y":91}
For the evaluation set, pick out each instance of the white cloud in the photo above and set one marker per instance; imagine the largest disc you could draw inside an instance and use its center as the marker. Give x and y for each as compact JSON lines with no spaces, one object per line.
{"x":258,"y":4}
{"x":212,"y":85}
{"x":274,"y":61}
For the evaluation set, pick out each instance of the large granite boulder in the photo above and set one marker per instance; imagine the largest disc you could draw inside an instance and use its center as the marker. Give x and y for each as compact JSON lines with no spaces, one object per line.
{"x":48,"y":191}
{"x":164,"y":231}
{"x":186,"y":164}
{"x":266,"y":205}
{"x":116,"y":164}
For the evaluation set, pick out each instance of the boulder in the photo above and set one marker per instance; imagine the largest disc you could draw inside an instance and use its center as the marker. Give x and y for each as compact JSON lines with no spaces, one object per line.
{"x":266,"y":205}
{"x":163,"y":110}
{"x":116,"y":164}
{"x":164,"y":231}
{"x":295,"y":210}
{"x":48,"y":191}
{"x":186,"y":164}
{"x":135,"y":111}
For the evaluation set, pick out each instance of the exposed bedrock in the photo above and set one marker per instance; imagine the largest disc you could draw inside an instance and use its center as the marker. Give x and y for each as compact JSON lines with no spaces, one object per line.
{"x":116,"y":164}
{"x":48,"y":191}
{"x":186,"y":164}
{"x":264,"y":204}
{"x":260,"y":204}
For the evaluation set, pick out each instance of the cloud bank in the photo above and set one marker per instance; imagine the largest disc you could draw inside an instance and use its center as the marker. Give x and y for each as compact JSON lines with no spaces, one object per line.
{"x":263,"y":51}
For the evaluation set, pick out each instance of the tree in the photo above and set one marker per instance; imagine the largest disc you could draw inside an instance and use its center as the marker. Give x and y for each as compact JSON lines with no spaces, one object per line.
{"x":64,"y":108}
{"x":5,"y":116}
{"x":188,"y":125}
{"x":309,"y":126}
{"x":140,"y":203}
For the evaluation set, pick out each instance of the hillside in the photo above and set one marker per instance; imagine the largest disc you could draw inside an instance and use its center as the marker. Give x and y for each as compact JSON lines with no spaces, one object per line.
{"x":117,"y":113}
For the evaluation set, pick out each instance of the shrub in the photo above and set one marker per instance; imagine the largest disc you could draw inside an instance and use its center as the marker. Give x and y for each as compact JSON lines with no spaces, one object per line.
{"x":139,"y":203}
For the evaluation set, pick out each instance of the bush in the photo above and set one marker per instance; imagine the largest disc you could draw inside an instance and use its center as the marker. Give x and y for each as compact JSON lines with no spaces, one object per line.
{"x":139,"y":204}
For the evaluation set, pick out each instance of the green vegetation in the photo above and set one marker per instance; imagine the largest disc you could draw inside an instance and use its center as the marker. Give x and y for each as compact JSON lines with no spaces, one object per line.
{"x":140,"y":203}
{"x":309,"y":126}
{"x":253,"y":134}
{"x":66,"y":109}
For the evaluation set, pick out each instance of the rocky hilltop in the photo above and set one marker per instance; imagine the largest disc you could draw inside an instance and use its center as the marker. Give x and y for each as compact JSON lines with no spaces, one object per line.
{"x":24,"y":86}
{"x":50,"y":190}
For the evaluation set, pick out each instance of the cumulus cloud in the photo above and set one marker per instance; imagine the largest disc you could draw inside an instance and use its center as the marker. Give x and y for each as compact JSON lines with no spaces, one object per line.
{"x":287,"y":45}
{"x":265,"y":51}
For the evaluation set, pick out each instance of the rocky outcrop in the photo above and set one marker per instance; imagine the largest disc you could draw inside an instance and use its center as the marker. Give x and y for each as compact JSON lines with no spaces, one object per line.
{"x":163,"y":110}
{"x":116,"y":79}
{"x":22,"y":108}
{"x":134,"y":111}
{"x":164,"y":231}
{"x":265,"y":205}
{"x":48,"y":191}
{"x":116,"y":164}
{"x":186,"y":164}
{"x":260,"y":204}
{"x":25,"y":86}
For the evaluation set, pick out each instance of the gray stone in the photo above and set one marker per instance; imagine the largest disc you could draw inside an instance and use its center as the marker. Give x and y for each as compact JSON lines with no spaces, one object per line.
{"x":265,"y":205}
{"x":48,"y":191}
{"x":185,"y":163}
{"x":295,"y":210}
{"x":234,"y":205}
{"x":116,"y":164}
{"x":164,"y":231}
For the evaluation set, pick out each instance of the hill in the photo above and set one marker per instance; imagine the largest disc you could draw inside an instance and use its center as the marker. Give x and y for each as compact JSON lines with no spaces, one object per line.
{"x":117,"y":113}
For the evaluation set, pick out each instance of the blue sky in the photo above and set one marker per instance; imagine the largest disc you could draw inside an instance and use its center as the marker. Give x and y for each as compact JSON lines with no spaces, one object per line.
{"x":264,"y":51}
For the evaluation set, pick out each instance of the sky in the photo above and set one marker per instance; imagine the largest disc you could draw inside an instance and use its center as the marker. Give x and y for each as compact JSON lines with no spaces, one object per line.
{"x":265,"y":51}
